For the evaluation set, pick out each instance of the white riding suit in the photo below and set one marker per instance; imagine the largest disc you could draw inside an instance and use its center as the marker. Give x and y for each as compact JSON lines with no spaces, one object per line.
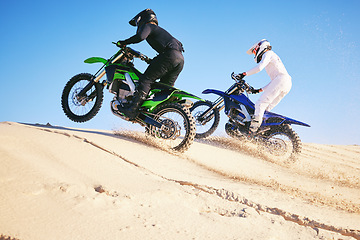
{"x":273,"y":92}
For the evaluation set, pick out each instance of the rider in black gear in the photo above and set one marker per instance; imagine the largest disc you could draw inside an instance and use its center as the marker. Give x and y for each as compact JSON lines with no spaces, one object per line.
{"x":166,"y":66}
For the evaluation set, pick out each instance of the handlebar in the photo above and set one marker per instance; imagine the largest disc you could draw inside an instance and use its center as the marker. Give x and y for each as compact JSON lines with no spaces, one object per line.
{"x":135,"y":53}
{"x":236,"y":77}
{"x":241,"y":82}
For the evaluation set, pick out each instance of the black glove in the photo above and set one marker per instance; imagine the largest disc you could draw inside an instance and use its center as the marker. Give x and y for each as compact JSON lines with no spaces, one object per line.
{"x":240,"y":76}
{"x":255,"y":91}
{"x":148,"y":60}
{"x":120,"y":44}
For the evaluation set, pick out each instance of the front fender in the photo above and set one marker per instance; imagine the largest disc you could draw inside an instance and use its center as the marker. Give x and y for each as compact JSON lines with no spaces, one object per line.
{"x":217,"y":92}
{"x":96,"y":60}
{"x":227,"y":99}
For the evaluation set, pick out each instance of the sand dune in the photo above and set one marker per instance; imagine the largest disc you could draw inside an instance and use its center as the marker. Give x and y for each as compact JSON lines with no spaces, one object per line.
{"x":65,"y":183}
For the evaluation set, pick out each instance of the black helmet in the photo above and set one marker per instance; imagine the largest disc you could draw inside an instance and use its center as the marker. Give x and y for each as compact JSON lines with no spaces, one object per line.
{"x":143,"y":17}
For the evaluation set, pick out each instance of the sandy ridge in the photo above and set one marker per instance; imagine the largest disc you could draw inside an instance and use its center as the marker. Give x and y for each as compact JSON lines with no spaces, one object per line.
{"x":231,"y":196}
{"x":209,"y":190}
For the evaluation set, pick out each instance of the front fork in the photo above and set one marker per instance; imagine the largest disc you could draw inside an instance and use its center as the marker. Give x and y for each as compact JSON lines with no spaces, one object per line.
{"x":82,"y":97}
{"x":206,"y":116}
{"x":100,"y":73}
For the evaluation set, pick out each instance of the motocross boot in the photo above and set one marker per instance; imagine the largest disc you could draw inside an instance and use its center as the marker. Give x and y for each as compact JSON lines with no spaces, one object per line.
{"x":255,"y":124}
{"x":131,"y":110}
{"x":252,"y":127}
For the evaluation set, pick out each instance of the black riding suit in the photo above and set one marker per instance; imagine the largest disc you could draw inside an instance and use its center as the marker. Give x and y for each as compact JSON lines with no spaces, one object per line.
{"x":168,"y":64}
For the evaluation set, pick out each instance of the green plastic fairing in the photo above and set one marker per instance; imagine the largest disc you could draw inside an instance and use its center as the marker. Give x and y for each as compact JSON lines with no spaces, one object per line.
{"x":151,"y":104}
{"x":119,"y":75}
{"x":183,"y":94}
{"x":133,"y":76}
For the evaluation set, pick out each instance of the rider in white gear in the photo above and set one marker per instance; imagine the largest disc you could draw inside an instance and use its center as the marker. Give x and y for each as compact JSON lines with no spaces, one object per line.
{"x":279,"y":86}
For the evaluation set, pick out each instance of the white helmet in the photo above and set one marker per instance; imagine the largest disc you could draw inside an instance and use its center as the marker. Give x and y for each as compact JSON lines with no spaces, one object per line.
{"x":258,"y":49}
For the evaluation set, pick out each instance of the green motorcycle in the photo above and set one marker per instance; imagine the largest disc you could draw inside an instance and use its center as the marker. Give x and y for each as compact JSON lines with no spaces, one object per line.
{"x":165,"y":113}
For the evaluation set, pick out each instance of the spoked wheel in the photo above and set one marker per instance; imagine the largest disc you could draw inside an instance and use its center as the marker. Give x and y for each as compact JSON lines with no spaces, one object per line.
{"x":282,"y":142}
{"x":84,"y":108}
{"x":205,"y":125}
{"x":178,"y":126}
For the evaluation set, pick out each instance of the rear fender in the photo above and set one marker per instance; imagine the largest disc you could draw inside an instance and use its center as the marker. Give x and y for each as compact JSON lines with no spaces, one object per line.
{"x":158,"y":96}
{"x":271,"y":119}
{"x":182,"y":94}
{"x":293,"y":121}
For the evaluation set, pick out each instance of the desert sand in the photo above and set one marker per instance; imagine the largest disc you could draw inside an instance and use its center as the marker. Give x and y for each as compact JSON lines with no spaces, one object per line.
{"x":67,"y":183}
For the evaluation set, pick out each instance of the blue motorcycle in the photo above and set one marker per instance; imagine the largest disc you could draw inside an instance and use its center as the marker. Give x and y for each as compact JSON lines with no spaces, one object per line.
{"x":275,"y":132}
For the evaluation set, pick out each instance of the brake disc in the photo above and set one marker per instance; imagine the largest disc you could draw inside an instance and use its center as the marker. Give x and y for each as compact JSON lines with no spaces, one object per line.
{"x":169,"y":129}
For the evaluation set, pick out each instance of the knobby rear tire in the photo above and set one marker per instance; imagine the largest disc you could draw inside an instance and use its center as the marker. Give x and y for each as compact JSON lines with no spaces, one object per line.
{"x":188,"y":123}
{"x":291,"y":134}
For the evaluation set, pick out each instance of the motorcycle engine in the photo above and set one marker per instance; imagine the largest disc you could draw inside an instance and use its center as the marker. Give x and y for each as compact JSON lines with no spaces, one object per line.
{"x":238,"y":124}
{"x":120,"y":89}
{"x":123,"y":88}
{"x":236,"y":117}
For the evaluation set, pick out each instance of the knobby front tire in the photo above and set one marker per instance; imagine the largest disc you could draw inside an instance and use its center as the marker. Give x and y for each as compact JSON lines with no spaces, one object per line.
{"x":205,"y":129}
{"x":74,"y":109}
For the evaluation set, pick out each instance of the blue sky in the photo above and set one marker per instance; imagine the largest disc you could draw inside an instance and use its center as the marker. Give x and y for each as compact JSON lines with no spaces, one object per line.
{"x":43,"y":44}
